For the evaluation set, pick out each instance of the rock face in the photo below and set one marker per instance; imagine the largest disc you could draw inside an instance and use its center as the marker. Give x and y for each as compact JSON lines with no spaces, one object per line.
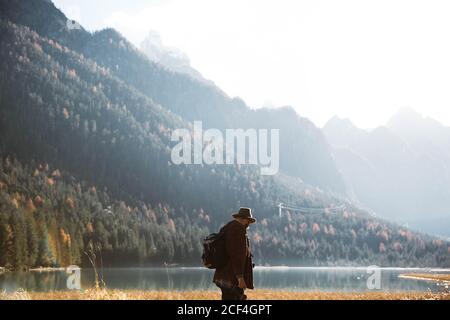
{"x":170,"y":57}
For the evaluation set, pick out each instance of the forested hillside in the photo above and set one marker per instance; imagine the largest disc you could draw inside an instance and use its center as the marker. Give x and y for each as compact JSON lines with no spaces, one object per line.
{"x":47,"y":218}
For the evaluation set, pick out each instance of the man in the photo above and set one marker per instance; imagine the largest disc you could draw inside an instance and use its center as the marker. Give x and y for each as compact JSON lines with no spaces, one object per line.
{"x":237,"y":273}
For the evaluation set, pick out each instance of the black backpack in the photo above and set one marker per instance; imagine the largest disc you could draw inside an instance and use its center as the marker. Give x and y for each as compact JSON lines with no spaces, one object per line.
{"x":214,"y":254}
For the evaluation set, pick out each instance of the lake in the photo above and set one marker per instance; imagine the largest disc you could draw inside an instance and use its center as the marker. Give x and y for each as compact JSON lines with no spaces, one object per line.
{"x":281,"y":278}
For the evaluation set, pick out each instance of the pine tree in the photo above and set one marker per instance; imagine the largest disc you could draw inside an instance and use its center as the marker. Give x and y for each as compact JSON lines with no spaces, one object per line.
{"x":6,"y":244}
{"x":32,"y":243}
{"x":45,"y":257}
{"x":19,"y":259}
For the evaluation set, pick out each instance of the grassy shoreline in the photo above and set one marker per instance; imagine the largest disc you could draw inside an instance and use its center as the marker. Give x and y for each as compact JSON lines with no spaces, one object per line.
{"x":110,"y":294}
{"x":427,"y":277}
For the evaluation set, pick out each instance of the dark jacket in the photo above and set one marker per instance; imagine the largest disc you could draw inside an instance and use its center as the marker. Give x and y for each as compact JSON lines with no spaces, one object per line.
{"x":239,"y":257}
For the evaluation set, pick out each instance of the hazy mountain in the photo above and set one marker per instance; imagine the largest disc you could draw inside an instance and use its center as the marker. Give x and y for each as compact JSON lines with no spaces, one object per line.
{"x":170,"y":57}
{"x":401,"y":171}
{"x":85,"y":127}
{"x":423,"y":134}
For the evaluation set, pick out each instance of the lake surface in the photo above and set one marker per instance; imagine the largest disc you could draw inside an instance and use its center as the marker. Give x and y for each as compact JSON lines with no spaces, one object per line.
{"x":281,"y":278}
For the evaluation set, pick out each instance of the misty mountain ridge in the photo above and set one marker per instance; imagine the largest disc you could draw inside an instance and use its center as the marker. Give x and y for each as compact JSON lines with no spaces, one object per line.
{"x":400,"y":170}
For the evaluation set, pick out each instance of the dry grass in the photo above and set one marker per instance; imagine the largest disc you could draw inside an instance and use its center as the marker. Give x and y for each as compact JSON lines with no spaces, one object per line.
{"x":107,"y":294}
{"x":18,"y":295}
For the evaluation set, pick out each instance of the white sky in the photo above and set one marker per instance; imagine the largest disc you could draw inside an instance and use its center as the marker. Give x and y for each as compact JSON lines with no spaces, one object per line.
{"x":361,"y":60}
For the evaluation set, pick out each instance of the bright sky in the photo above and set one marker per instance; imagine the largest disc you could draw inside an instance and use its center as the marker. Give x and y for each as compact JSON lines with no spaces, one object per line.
{"x":361,"y":60}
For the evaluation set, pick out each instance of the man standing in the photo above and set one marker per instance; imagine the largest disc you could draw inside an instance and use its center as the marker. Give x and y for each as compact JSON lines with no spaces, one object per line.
{"x":236,"y":274}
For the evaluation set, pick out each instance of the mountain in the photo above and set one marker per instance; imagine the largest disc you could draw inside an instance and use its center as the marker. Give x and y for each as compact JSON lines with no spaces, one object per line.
{"x":169,"y":57}
{"x":401,"y":170}
{"x":85,"y":126}
{"x":423,"y":134}
{"x":182,"y":94}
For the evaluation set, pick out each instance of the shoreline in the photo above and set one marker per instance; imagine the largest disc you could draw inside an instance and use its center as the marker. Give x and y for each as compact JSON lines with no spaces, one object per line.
{"x":260,"y":267}
{"x":435,"y":277}
{"x":46,"y":269}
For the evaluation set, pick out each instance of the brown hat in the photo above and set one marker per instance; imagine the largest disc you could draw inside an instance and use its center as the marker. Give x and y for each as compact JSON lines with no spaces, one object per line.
{"x":245,"y":213}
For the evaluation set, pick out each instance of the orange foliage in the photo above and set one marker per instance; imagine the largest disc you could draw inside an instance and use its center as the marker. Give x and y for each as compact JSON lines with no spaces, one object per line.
{"x":65,"y":237}
{"x":65,"y":114}
{"x":383,"y":235}
{"x":90,"y":228}
{"x":151,"y":215}
{"x":406,"y":234}
{"x":172,"y":225}
{"x":437,"y":242}
{"x":38,"y":201}
{"x":37,"y":47}
{"x":29,"y":207}
{"x":256,"y":237}
{"x":15,"y":203}
{"x":70,"y":203}
{"x":316,"y":228}
{"x":56,"y":174}
{"x":9,"y":232}
{"x":371,"y":226}
{"x":71,"y":73}
{"x":16,"y":200}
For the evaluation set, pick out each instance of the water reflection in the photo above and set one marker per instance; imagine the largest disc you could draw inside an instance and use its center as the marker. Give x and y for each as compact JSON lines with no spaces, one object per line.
{"x":298,"y":279}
